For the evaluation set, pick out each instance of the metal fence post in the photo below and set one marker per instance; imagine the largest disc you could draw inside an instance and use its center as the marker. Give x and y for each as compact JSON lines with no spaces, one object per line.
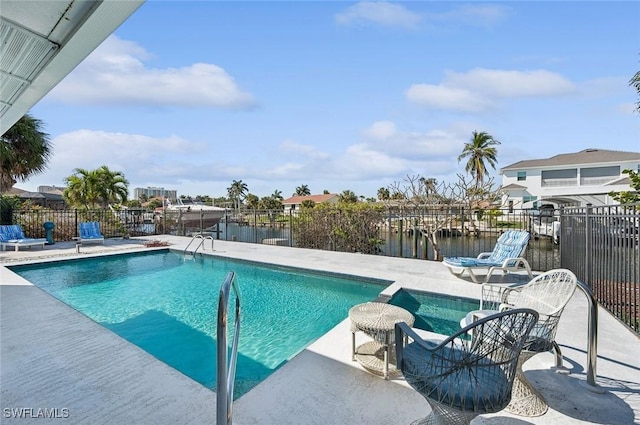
{"x":587,"y":244}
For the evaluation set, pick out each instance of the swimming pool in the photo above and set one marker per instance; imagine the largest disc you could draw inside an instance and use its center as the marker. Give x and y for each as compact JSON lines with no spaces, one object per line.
{"x":167,"y":305}
{"x":435,"y":312}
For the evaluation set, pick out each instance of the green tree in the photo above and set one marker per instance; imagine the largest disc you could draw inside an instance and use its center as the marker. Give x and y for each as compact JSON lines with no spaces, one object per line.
{"x":635,"y":82}
{"x":113,"y":187}
{"x":479,"y":152}
{"x":154,"y":203}
{"x":252,"y":201}
{"x":629,"y":196}
{"x":302,"y":190}
{"x":277,"y":194}
{"x":24,"y":151}
{"x":237,"y":192}
{"x":270,"y":203}
{"x":81,"y":189}
{"x":308,"y":203}
{"x":383,"y":194}
{"x":351,"y":227}
{"x":90,"y":188}
{"x":347,"y":197}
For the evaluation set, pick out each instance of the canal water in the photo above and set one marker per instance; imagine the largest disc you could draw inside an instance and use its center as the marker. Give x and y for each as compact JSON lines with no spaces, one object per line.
{"x":541,"y":253}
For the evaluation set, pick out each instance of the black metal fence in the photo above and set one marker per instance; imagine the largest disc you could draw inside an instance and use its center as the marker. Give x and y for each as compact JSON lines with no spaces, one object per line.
{"x":389,"y":232}
{"x":601,"y":245}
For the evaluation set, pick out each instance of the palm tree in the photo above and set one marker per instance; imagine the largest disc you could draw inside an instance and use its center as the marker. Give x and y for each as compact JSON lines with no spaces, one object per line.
{"x":347,"y":197}
{"x":635,"y":82}
{"x":277,"y":194}
{"x":112,"y":186}
{"x":24,"y":151}
{"x":237,"y":192}
{"x":88,"y":188}
{"x":383,"y":194}
{"x":82,"y":189}
{"x":302,"y":190}
{"x":479,"y":151}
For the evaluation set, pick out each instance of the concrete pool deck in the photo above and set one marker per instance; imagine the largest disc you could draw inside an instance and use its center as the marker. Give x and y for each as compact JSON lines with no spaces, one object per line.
{"x":53,"y":357}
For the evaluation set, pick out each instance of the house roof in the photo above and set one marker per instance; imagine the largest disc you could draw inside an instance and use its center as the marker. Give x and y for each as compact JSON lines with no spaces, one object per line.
{"x":318,"y":199}
{"x":44,"y":40}
{"x":513,"y":186}
{"x":586,"y":156}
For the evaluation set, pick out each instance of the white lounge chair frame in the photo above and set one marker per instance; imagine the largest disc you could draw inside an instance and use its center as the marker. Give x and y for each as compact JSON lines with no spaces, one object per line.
{"x":13,"y":236}
{"x":507,"y":256}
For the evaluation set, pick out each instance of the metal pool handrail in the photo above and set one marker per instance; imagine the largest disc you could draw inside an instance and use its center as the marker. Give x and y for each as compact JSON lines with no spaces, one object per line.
{"x":225,"y":378}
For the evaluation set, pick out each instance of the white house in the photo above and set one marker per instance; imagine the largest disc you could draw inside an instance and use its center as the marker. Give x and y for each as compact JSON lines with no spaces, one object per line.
{"x":568,"y":179}
{"x":294,"y":203}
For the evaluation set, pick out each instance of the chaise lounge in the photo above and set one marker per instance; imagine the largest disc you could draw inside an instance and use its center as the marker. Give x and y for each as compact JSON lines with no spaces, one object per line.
{"x":507,"y":255}
{"x":11,"y":235}
{"x":90,"y":232}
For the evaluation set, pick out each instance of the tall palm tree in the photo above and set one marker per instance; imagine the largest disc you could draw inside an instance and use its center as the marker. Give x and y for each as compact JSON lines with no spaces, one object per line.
{"x":24,"y":151}
{"x":635,"y":82}
{"x":237,"y":192}
{"x":479,"y":152}
{"x":302,"y":190}
{"x":277,"y":194}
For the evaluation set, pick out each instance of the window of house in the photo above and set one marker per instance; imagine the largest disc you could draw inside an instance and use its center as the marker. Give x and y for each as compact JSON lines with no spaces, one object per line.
{"x":529,"y":198}
{"x":568,"y":177}
{"x":522,"y":175}
{"x":595,"y":176}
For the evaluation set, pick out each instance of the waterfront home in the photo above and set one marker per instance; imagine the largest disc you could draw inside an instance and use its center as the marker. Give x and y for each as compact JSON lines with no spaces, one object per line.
{"x":295,"y":202}
{"x":575,"y":179}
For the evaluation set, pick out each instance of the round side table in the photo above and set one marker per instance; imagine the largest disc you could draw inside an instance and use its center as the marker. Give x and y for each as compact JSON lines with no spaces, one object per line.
{"x":378,"y":321}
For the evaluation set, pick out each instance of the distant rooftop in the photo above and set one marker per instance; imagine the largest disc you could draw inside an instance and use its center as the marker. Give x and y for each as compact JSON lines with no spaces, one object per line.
{"x":586,"y":156}
{"x":318,"y":199}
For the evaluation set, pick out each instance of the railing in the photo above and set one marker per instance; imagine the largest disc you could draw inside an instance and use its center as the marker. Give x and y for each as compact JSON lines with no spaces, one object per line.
{"x":601,"y":245}
{"x":226,"y":368}
{"x":202,"y":238}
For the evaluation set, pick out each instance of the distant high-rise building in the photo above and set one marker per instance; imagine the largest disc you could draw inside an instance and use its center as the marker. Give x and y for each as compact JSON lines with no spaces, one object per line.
{"x":153,"y":192}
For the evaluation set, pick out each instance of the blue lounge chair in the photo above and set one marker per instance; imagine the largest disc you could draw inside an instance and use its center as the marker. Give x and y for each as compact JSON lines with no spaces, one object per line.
{"x":90,"y":232}
{"x":11,"y":235}
{"x":507,"y":255}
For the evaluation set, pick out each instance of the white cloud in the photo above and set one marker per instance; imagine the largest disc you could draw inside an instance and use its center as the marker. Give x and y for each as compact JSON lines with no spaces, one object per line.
{"x":381,"y":130}
{"x":411,"y":145}
{"x":481,"y":89}
{"x":474,"y":15}
{"x":309,"y":151}
{"x":378,"y":13}
{"x":115,"y":73}
{"x":444,"y":97}
{"x":511,"y":84}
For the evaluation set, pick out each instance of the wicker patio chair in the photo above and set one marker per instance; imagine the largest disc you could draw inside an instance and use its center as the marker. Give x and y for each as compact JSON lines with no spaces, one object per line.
{"x":547,"y":294}
{"x":462,"y":379}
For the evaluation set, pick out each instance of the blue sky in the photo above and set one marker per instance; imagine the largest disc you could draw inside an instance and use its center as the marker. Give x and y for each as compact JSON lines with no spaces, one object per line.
{"x":342,"y":95}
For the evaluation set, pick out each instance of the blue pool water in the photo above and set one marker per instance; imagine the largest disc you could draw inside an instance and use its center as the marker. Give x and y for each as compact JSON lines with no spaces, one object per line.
{"x":435,"y":312}
{"x":168,"y":306}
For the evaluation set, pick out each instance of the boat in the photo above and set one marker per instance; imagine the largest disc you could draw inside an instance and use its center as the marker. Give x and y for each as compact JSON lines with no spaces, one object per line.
{"x":193,"y":214}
